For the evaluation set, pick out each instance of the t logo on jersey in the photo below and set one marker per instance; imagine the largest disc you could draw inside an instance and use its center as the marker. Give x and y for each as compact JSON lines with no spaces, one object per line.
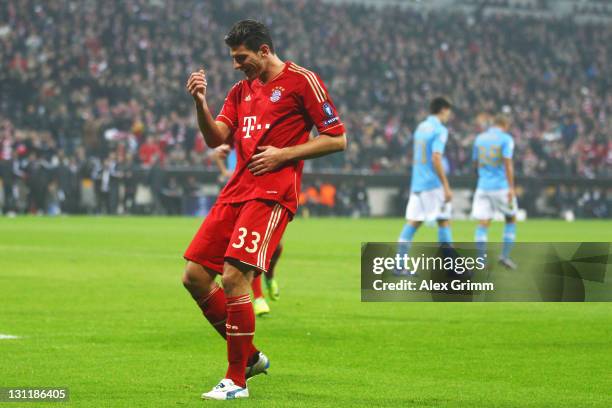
{"x":250,"y":123}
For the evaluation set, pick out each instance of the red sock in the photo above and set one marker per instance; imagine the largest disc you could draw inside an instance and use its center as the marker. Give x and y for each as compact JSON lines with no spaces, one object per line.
{"x":274,"y":260}
{"x":256,"y":286}
{"x":214,"y":308}
{"x":240,"y":331}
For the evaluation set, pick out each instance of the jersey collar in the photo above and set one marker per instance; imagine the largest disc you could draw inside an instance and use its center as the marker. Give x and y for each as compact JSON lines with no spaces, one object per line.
{"x":280,"y":74}
{"x":434,"y":119}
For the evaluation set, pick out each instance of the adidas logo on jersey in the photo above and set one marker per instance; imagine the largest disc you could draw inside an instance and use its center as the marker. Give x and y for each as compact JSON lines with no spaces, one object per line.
{"x":248,"y":98}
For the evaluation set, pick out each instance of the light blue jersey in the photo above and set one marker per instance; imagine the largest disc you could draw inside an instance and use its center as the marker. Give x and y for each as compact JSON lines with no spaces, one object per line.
{"x":429,"y":138}
{"x":231,"y":160}
{"x":490,"y":148}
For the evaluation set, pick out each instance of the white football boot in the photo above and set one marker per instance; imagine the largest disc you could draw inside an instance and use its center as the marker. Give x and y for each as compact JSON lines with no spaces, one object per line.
{"x":258,"y":367}
{"x":226,"y":390}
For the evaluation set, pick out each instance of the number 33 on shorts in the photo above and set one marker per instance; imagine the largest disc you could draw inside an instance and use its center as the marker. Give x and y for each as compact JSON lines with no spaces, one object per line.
{"x":257,"y":232}
{"x":248,"y":232}
{"x":255,"y":237}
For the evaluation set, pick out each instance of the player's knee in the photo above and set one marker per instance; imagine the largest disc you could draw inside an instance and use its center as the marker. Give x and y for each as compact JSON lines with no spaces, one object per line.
{"x":235,"y":277}
{"x":510,"y":219}
{"x":414,"y":224}
{"x":192,"y":275}
{"x":187,"y":280}
{"x":443,"y":223}
{"x":231,"y":278}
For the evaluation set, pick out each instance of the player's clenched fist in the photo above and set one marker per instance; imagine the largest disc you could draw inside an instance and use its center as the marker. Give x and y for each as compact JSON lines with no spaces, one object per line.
{"x":196,"y":85}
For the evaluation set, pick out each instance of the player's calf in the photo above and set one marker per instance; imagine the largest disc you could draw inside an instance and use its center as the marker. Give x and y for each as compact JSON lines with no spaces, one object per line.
{"x":509,"y":238}
{"x":240,"y":326}
{"x":481,"y":237}
{"x":209,"y":296}
{"x":444,"y":232}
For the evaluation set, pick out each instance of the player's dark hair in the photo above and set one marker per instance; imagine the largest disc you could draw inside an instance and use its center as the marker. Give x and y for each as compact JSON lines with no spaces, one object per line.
{"x":250,"y":33}
{"x":438,"y":104}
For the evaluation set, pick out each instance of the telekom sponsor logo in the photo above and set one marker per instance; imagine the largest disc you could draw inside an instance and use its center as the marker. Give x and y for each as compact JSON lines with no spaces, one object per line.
{"x":250,"y":124}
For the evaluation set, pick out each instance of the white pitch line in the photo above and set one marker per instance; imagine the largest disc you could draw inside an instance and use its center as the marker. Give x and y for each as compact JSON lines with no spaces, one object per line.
{"x":33,"y":248}
{"x":7,"y":337}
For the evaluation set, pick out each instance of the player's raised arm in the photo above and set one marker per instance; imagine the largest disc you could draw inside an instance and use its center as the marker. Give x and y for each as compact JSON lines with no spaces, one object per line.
{"x":215,"y":132}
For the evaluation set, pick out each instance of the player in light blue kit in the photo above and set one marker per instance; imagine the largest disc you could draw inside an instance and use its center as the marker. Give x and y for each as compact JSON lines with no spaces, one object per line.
{"x":430,"y":193}
{"x":492,"y":154}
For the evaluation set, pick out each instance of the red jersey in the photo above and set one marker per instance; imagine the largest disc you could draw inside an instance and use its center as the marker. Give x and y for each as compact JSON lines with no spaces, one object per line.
{"x":279,"y":113}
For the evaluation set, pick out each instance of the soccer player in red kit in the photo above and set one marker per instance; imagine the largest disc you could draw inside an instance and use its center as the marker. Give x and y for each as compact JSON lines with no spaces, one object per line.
{"x":267,"y":117}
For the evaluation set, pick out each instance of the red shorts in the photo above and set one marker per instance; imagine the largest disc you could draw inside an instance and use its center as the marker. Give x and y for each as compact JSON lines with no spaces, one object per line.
{"x":248,"y":232}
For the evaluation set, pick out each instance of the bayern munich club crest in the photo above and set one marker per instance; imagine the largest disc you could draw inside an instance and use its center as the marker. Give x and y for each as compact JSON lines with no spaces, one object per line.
{"x":277,"y":92}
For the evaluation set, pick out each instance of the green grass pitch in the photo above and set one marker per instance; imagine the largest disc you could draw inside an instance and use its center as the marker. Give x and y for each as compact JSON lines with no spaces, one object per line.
{"x":98,"y":306}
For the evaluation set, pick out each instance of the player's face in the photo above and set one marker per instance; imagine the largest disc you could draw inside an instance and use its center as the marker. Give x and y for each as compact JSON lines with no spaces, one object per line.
{"x":247,"y":61}
{"x":445,"y":115}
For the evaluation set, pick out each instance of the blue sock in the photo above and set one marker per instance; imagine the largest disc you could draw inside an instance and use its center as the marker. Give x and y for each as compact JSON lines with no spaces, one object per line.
{"x":481,"y":239}
{"x":509,"y":237}
{"x":444,"y":235}
{"x":405,"y":239}
{"x":403,"y":245}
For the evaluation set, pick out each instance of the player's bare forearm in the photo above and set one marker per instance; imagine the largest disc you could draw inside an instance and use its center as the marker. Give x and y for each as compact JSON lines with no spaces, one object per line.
{"x":220,"y":165}
{"x":220,"y":155}
{"x":317,"y":147}
{"x":509,"y":167}
{"x":439,"y":169}
{"x":437,"y":164}
{"x":215,"y":133}
{"x":270,"y":158}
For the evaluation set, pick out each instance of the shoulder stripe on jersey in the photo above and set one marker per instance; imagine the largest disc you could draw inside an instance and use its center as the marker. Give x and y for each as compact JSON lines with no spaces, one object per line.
{"x":312,"y":86}
{"x":312,"y":80}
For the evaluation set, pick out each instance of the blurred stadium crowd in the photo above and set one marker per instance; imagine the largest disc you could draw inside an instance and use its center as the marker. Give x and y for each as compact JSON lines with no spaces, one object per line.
{"x":95,"y":90}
